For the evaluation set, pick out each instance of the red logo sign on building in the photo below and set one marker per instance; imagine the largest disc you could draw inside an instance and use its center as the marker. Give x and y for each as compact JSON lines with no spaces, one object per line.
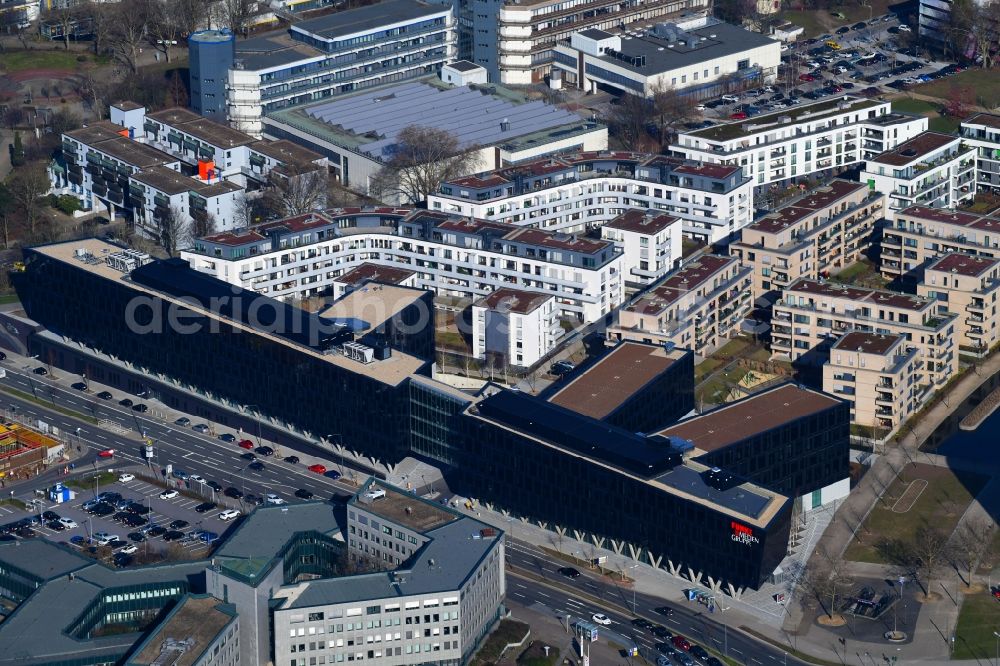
{"x":742,"y":533}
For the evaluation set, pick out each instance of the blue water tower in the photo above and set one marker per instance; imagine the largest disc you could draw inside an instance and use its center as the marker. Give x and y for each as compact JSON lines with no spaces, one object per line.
{"x":210,"y":56}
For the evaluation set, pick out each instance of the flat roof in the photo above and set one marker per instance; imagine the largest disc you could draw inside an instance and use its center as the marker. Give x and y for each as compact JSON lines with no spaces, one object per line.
{"x":367,"y":18}
{"x":615,"y":378}
{"x":285,"y":151}
{"x":127,"y":105}
{"x":403,"y":508}
{"x":199,"y":619}
{"x":861,"y":294}
{"x":641,"y":221}
{"x":948,"y":216}
{"x":518,"y":301}
{"x":373,"y":303}
{"x":818,"y":199}
{"x":557,"y":240}
{"x":963,"y":264}
{"x":463,"y":66}
{"x":707,"y":169}
{"x":107,"y":138}
{"x":170,"y":182}
{"x":209,"y":131}
{"x":915,"y":149}
{"x":867,"y":343}
{"x":369,"y":272}
{"x":756,"y":414}
{"x":391,"y":371}
{"x":674,"y":285}
{"x":772,"y":121}
{"x":985,"y":119}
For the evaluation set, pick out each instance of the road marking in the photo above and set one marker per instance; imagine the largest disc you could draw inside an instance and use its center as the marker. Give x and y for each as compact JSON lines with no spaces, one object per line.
{"x":574,"y":601}
{"x":518,"y":594}
{"x":543,"y":594}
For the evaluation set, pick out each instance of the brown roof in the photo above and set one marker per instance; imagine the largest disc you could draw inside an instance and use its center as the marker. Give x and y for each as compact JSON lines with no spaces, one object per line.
{"x":556,"y":240}
{"x":468,"y":225}
{"x":819,"y":199}
{"x":963,"y":264}
{"x":610,"y":382}
{"x":517,"y":301}
{"x":198,"y":619}
{"x":368,"y":272}
{"x":868,"y":343}
{"x":709,"y":170}
{"x":687,"y":278}
{"x":759,"y":413}
{"x":476,"y":182}
{"x":986,"y":119}
{"x":835,"y":290}
{"x":914,"y":149}
{"x":202,"y":128}
{"x":285,"y":151}
{"x":638,"y":221}
{"x":940,"y":215}
{"x":127,"y":105}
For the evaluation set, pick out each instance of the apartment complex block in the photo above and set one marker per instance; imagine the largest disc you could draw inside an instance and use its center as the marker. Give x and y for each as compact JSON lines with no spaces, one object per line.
{"x":982,"y":132}
{"x":966,"y":285}
{"x":576,"y":192}
{"x":811,"y":236}
{"x":453,"y":256}
{"x":812,"y":315}
{"x":931,"y":169}
{"x":919,"y":234}
{"x":698,"y":306}
{"x":518,"y":326}
{"x":696,"y":57}
{"x":514,"y":40}
{"x":808,"y":140}
{"x":650,"y":243}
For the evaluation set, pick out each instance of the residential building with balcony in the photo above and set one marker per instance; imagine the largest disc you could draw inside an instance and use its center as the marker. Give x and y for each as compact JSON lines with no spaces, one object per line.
{"x":304,"y":256}
{"x":515,"y":40}
{"x":577,"y":192}
{"x":516,"y":327}
{"x":698,"y":306}
{"x":982,"y":131}
{"x":931,"y":169}
{"x":164,"y":199}
{"x":812,"y":315}
{"x":966,"y":285}
{"x":815,"y":140}
{"x":811,"y":236}
{"x":650,"y":243}
{"x":880,"y":376}
{"x":697,"y":58}
{"x":919,"y":234}
{"x":335,"y":54}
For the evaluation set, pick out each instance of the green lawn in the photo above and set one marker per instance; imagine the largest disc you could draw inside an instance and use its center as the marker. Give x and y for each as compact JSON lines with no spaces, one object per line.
{"x":977,"y":85}
{"x":18,"y":61}
{"x":913,"y":105}
{"x":89,"y":481}
{"x":978,"y":619}
{"x":820,"y":21}
{"x":508,"y":631}
{"x":940,"y":505}
{"x":861,"y":274}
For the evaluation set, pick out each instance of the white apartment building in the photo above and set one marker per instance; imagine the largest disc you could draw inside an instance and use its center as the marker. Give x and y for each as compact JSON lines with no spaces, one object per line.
{"x":650,"y":243}
{"x":880,"y":376}
{"x":812,"y":315}
{"x":966,"y":285}
{"x":809,"y":140}
{"x":331,"y":55}
{"x":519,"y":326}
{"x":699,"y":306}
{"x":576,"y":192}
{"x":158,"y":191}
{"x":982,"y":132}
{"x":931,"y":169}
{"x":698,"y":58}
{"x":453,"y":256}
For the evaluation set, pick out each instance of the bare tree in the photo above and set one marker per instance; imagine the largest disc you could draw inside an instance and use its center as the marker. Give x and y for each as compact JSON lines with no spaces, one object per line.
{"x":201,"y":225}
{"x":930,"y":550}
{"x":671,"y":108}
{"x":237,"y":15}
{"x":66,"y":17}
{"x":243,"y":211}
{"x":171,"y":228}
{"x":957,"y":30}
{"x":64,"y":120}
{"x":176,"y":91}
{"x":827,"y":581}
{"x":16,"y":23}
{"x":13,"y":117}
{"x":971,"y":541}
{"x":630,"y":119}
{"x":162,"y":27}
{"x":296,"y":191}
{"x":189,"y":15}
{"x":420,"y":160}
{"x":984,"y":31}
{"x":128,"y":32}
{"x":28,"y":184}
{"x":101,"y":22}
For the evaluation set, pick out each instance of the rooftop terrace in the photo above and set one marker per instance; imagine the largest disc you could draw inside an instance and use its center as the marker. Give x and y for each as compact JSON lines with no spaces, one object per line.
{"x":771,"y":121}
{"x":868,"y":343}
{"x":916,"y":149}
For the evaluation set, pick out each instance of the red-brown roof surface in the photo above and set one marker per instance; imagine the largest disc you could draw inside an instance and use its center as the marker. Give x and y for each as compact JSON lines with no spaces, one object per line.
{"x":637,"y":220}
{"x":375,"y":273}
{"x":868,"y":343}
{"x":874,"y":296}
{"x":687,"y":278}
{"x":556,"y":240}
{"x":963,"y":264}
{"x":518,"y":301}
{"x":985,"y":119}
{"x":807,"y":205}
{"x":914,"y":149}
{"x":708,"y":170}
{"x":610,"y":382}
{"x":757,"y":414}
{"x":940,"y":215}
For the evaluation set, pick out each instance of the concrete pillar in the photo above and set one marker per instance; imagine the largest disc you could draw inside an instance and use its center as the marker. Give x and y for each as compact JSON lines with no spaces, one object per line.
{"x":543,"y":524}
{"x":617,"y":546}
{"x":579,"y":536}
{"x":561,"y":531}
{"x":599,"y":541}
{"x":693,"y":576}
{"x":655,"y":560}
{"x":715,"y":585}
{"x":633,"y":552}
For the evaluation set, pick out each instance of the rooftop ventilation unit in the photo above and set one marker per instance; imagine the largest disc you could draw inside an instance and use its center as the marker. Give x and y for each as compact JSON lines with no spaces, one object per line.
{"x":127,"y":260}
{"x":358,"y":352}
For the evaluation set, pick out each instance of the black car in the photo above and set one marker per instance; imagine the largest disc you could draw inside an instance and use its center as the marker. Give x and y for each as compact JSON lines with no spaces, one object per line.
{"x":257,"y":466}
{"x":105,"y":395}
{"x":25,"y":532}
{"x":120,"y":516}
{"x":664,"y":648}
{"x":55,"y":526}
{"x":847,"y":85}
{"x":264,"y":450}
{"x":844,"y":30}
{"x":249,"y":456}
{"x":214,"y":485}
{"x":698,"y":652}
{"x":662,"y":632}
{"x":137,"y":537}
{"x":560,"y":368}
{"x":173,"y":535}
{"x":122,"y":560}
{"x":136,"y":508}
{"x":642,"y":623}
{"x":126,"y":402}
{"x":79,"y":386}
{"x":569,"y":572}
{"x":134,"y":520}
{"x":664,"y":610}
{"x":860,"y":25}
{"x":40,"y":371}
{"x":179,"y":524}
{"x":50,"y":515}
{"x":250,"y":498}
{"x":141,"y":408}
{"x":156,"y":531}
{"x":291,"y":459}
{"x":302,"y":493}
{"x":712,"y":661}
{"x":228,"y":438}
{"x":102,"y":509}
{"x":205,"y":507}
{"x":235,"y":493}
{"x":117,"y":544}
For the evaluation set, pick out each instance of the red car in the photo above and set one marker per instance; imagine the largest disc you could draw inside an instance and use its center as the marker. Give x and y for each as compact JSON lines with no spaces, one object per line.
{"x":837,"y":89}
{"x":319,"y":469}
{"x":681,"y":643}
{"x":246,"y":444}
{"x":739,"y":115}
{"x":806,"y":77}
{"x":107,"y":453}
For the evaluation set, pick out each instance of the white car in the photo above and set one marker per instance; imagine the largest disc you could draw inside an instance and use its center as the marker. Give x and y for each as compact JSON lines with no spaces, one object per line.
{"x":701,"y":107}
{"x":784,"y":47}
{"x":196,"y":479}
{"x":228,"y":514}
{"x":602,"y":619}
{"x":126,"y":478}
{"x":271,"y":498}
{"x":68,"y":523}
{"x":129,"y":549}
{"x":903,"y":27}
{"x":169,"y":494}
{"x":103,"y":538}
{"x":730,"y":98}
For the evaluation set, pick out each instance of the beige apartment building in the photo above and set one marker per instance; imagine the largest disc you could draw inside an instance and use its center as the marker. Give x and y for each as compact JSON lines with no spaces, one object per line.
{"x":968,"y":286}
{"x":919,"y":234}
{"x":879,"y":375}
{"x":812,"y":314}
{"x":698,"y":306}
{"x":816,"y":234}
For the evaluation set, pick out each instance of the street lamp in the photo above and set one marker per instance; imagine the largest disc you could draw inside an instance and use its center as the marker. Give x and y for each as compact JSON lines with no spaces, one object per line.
{"x":256,"y":414}
{"x":996,"y":660}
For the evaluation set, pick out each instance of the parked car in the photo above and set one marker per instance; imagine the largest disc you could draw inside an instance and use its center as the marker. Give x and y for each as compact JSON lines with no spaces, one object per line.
{"x":271,"y":498}
{"x":156,"y":531}
{"x":256,"y":466}
{"x":569,"y":572}
{"x":601,"y":619}
{"x":806,"y":77}
{"x":229,"y":514}
{"x":681,"y":643}
{"x":208,"y":537}
{"x":173,"y":535}
{"x":169,"y":493}
{"x":140,"y":407}
{"x":128,"y":549}
{"x":40,"y":371}
{"x":235,"y":493}
{"x":126,"y":402}
{"x":137,"y":537}
{"x":246,"y":444}
{"x":699,"y":652}
{"x":642,"y":623}
{"x":214,"y":485}
{"x":204,"y":507}
{"x":317,"y":468}
{"x":662,"y":632}
{"x":302,"y":493}
{"x":228,"y":438}
{"x":195,"y":478}
{"x":560,"y":368}
{"x":201,"y":427}
{"x":264,"y":451}
{"x":294,"y":460}
{"x":55,"y":526}
{"x":68,"y":523}
{"x":126,"y":478}
{"x":105,"y":395}
{"x":178,"y":524}
{"x":183,"y":422}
